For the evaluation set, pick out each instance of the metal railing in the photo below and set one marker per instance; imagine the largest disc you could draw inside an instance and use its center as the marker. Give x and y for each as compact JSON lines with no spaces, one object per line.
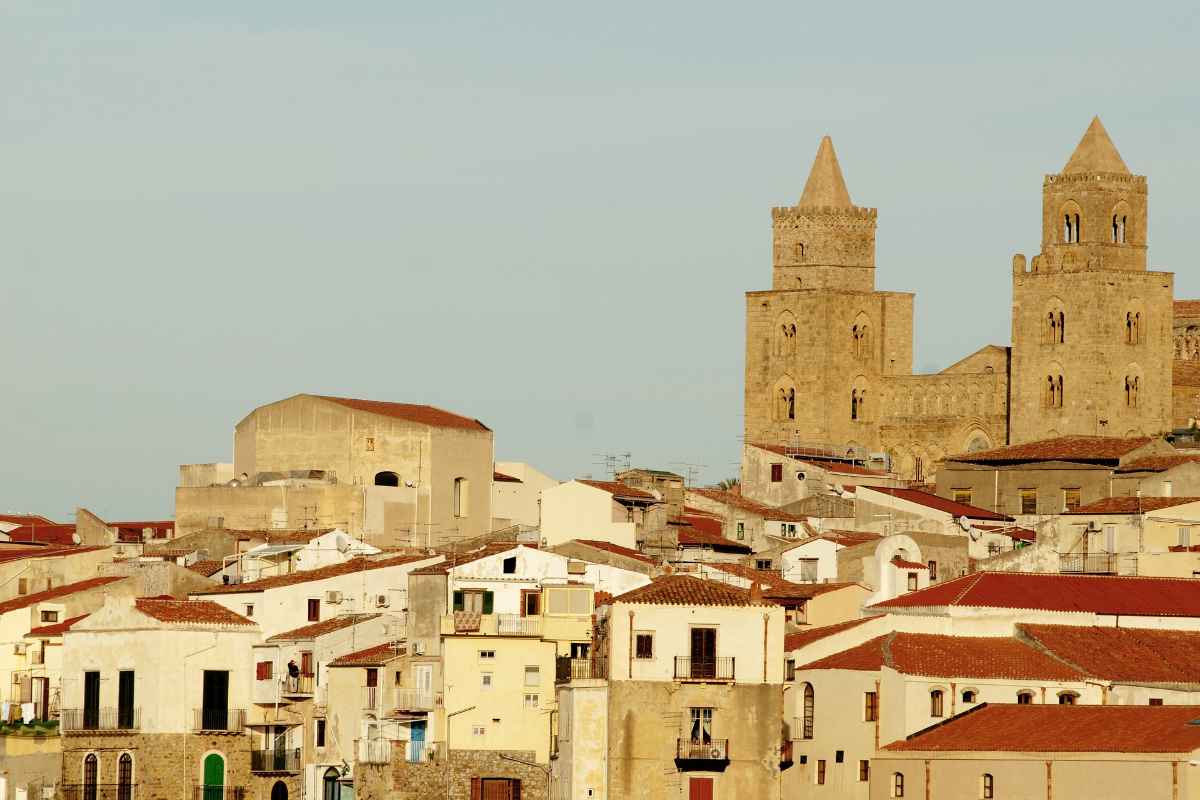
{"x":370,"y":697}
{"x":299,"y":684}
{"x":100,"y":719}
{"x":373,"y":751}
{"x":275,"y":760}
{"x":1087,"y":563}
{"x":414,"y":700}
{"x":421,"y":752}
{"x":567,"y":669}
{"x":216,"y":793}
{"x":704,"y":669}
{"x":516,"y":625}
{"x":229,"y":720}
{"x":98,"y":791}
{"x":702,"y":750}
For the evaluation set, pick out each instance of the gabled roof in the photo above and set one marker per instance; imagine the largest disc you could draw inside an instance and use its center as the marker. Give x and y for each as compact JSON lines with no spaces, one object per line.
{"x":1132,"y":505}
{"x":206,"y":568}
{"x":818,"y":457}
{"x":323,"y":627}
{"x":825,"y":186}
{"x":1135,"y":655}
{"x":27,"y":600}
{"x":51,"y":534}
{"x":452,"y":559}
{"x":1095,"y":153}
{"x":359,"y":564}
{"x":1083,"y":449}
{"x":938,"y":656}
{"x":617,"y":549}
{"x":690,"y":535}
{"x":57,"y":629}
{"x":375,"y":656}
{"x":44,"y":551}
{"x":746,"y":504}
{"x":25,"y":519}
{"x":410,"y":412}
{"x":1097,"y":594}
{"x":190,"y":612}
{"x":500,"y":477}
{"x":619,"y":490}
{"x":844,"y":538}
{"x":774,"y":587}
{"x":937,"y":503}
{"x":685,"y":590}
{"x":793,"y":641}
{"x":1158,"y":463}
{"x":1053,"y":728}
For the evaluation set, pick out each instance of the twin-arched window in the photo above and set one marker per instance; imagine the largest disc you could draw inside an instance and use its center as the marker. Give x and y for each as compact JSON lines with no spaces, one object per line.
{"x":936,"y":706}
{"x":1056,"y":324}
{"x":1132,"y":385}
{"x":1119,"y":228}
{"x":858,"y":399}
{"x":785,"y":403}
{"x":1133,"y":327}
{"x":1053,"y":397}
{"x":860,"y":340}
{"x":1071,"y":227}
{"x":787,"y":338}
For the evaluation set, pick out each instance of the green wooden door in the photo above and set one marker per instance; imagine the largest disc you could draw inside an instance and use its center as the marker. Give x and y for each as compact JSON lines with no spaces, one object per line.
{"x":214,"y":777}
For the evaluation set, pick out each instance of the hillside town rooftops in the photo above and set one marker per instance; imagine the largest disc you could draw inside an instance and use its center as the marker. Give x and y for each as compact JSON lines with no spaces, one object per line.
{"x":616,"y":549}
{"x":1134,"y":655}
{"x":685,"y":590}
{"x":746,"y":504}
{"x":938,"y":503}
{"x":359,"y":564}
{"x":190,"y":612}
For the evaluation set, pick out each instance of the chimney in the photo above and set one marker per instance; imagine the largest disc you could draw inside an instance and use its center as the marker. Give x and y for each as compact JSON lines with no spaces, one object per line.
{"x":756,"y":595}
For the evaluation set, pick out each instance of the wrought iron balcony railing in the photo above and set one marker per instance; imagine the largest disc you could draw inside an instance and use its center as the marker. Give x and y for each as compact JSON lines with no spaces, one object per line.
{"x":704,"y":669}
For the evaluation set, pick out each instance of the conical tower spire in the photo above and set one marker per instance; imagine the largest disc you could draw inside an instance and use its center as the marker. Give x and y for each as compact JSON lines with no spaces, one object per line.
{"x":1095,"y":153}
{"x":826,"y":186}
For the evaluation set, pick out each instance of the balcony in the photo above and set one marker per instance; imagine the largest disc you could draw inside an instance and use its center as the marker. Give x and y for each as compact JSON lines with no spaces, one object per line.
{"x":1087,"y":563}
{"x":275,"y":760}
{"x":567,"y":669}
{"x":704,"y":669}
{"x":219,"y":720}
{"x":99,"y":791}
{"x":414,"y":700}
{"x":421,"y":752}
{"x":100,"y":719}
{"x":215,"y":793}
{"x":373,"y":751}
{"x":515,"y":625}
{"x":709,"y":753}
{"x":785,"y":754}
{"x":298,"y":686}
{"x":370,"y":698}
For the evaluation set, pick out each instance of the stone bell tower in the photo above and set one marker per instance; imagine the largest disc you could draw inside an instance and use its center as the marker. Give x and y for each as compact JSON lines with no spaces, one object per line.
{"x":1091,"y":326}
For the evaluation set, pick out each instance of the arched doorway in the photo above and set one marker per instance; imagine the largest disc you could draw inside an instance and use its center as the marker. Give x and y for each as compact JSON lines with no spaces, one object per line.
{"x":279,"y":791}
{"x":214,"y":777}
{"x":387,"y":479}
{"x":329,"y":785}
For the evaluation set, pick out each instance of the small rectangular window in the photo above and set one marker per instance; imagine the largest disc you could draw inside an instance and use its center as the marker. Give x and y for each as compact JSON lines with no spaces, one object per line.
{"x":487,"y":655}
{"x":864,"y":771}
{"x":741,"y":531}
{"x":776,"y":473}
{"x":1156,"y":701}
{"x":49,"y":616}
{"x":932,"y":571}
{"x":22,"y":586}
{"x":263,"y":670}
{"x":870,"y":706}
{"x":820,"y":772}
{"x":249,"y":610}
{"x":1028,"y":501}
{"x":320,"y":723}
{"x":1185,"y":537}
{"x":963,"y":496}
{"x":478,"y":730}
{"x":839,"y":756}
{"x":762,"y":563}
{"x":645,"y":645}
{"x":510,"y":565}
{"x":912,"y":581}
{"x":1071,"y":499}
{"x":485,"y":680}
{"x":531,"y":701}
{"x":789,"y":669}
{"x":314,"y":609}
{"x":533,"y":676}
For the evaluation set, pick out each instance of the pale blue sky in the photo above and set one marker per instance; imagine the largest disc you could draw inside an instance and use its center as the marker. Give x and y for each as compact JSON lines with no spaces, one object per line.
{"x":541,"y":214}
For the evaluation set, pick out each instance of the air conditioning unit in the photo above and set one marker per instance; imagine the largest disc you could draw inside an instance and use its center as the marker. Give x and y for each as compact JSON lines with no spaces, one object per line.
{"x":576,"y":567}
{"x":381,"y":601}
{"x":333,"y":597}
{"x":19,"y":649}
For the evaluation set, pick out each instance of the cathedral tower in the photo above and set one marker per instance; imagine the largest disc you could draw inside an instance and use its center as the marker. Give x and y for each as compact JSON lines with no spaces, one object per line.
{"x":1091,"y":326}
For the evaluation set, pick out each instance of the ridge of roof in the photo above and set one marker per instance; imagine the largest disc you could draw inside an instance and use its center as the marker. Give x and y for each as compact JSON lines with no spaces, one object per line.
{"x":411,"y":412}
{"x":1061,"y":448}
{"x":190,"y":612}
{"x":687,"y":590}
{"x":371,"y":656}
{"x":825,"y":186}
{"x":315,"y":629}
{"x":358,"y":564}
{"x":26,"y":600}
{"x":793,"y":641}
{"x":1095,"y":153}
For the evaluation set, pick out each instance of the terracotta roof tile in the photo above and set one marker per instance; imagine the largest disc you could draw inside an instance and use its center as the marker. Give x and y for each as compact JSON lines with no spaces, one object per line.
{"x":190,"y":612}
{"x":844,"y":538}
{"x":617,"y":549}
{"x":602,"y":598}
{"x":689,"y":535}
{"x":51,"y":534}
{"x":1098,"y":594}
{"x":1157,"y":463}
{"x":685,"y":590}
{"x":792,"y":641}
{"x":323,"y":627}
{"x":866,"y":657}
{"x":500,"y":477}
{"x":27,"y":600}
{"x":620,"y":490}
{"x":773,"y":585}
{"x":738,"y":501}
{"x":411,"y":412}
{"x":938,"y":503}
{"x":1053,"y":728}
{"x":452,"y":559}
{"x":1132,"y":505}
{"x":372,"y":656}
{"x":26,"y":519}
{"x":903,"y":564}
{"x":1123,"y":654}
{"x":1064,"y":448}
{"x":345,"y":568}
{"x":57,"y":629}
{"x":206,"y":568}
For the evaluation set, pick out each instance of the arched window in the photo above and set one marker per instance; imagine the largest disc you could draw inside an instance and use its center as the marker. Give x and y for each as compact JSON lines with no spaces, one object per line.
{"x":969,"y":695}
{"x":279,"y":791}
{"x":1024,"y":698}
{"x":461,"y":498}
{"x":1119,"y":221}
{"x":387,"y":479}
{"x":1131,"y":390}
{"x":935,"y":703}
{"x":798,"y":251}
{"x":897,"y":784}
{"x":806,"y":729}
{"x":1054,"y":391}
{"x":791,"y":403}
{"x":1133,"y":327}
{"x":1051,"y":328}
{"x":125,"y":777}
{"x":1062,"y":327}
{"x":1067,"y":698}
{"x":330,"y":789}
{"x":987,"y":786}
{"x":854,"y":404}
{"x":89,"y":777}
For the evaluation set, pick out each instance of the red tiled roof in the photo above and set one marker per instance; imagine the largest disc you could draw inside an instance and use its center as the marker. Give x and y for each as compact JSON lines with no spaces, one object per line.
{"x":617,"y":549}
{"x":1132,"y":505}
{"x":903,"y":564}
{"x":704,"y":523}
{"x":1157,"y":463}
{"x":601,"y":598}
{"x":619,"y":490}
{"x":27,"y":600}
{"x":774,"y":587}
{"x":1098,"y":594}
{"x":57,"y":629}
{"x":51,"y":551}
{"x":1054,"y":728}
{"x":937,"y":503}
{"x":452,"y":559}
{"x":738,"y":501}
{"x":1187,"y":308}
{"x":1123,"y":654}
{"x":345,"y":568}
{"x":793,"y":641}
{"x":685,"y":590}
{"x":1064,"y":448}
{"x":844,"y":538}
{"x":938,"y":656}
{"x":1011,"y":531}
{"x":500,"y":477}
{"x":25,"y":519}
{"x":372,"y":656}
{"x":206,"y":568}
{"x":1185,"y":373}
{"x":190,"y":612}
{"x":323,"y":627}
{"x":52,"y":534}
{"x":690,"y":536}
{"x":411,"y":412}
{"x":844,"y":469}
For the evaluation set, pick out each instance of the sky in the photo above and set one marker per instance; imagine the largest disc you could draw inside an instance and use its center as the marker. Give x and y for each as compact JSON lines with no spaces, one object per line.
{"x":544,"y":215}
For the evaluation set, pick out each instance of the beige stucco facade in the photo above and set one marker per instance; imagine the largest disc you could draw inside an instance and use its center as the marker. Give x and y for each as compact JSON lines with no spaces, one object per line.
{"x":575,"y":510}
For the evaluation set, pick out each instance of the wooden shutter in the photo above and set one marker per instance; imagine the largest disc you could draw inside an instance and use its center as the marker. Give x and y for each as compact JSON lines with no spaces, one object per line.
{"x":476,"y":783}
{"x":306,"y":663}
{"x":487,"y":602}
{"x":516,"y":789}
{"x":458,"y":600}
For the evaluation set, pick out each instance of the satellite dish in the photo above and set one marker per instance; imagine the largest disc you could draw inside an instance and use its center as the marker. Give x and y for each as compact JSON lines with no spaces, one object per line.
{"x":75,"y":539}
{"x":964,"y":523}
